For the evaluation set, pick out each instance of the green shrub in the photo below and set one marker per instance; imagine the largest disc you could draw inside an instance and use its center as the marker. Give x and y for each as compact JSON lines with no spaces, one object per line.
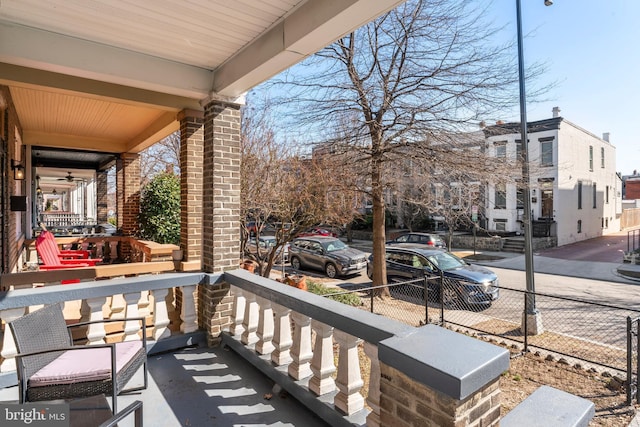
{"x":159,"y":218}
{"x":320,"y":289}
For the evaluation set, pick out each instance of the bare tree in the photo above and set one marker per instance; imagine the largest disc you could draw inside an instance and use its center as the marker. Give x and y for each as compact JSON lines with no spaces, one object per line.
{"x":407,"y":79}
{"x":163,"y":156}
{"x":283,"y":193}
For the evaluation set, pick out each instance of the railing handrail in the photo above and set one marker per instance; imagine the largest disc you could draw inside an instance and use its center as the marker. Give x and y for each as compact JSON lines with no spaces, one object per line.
{"x":93,"y":289}
{"x":367,"y":326}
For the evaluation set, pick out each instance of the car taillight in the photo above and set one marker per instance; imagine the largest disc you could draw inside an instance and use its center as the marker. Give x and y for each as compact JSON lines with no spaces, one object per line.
{"x":429,"y":243}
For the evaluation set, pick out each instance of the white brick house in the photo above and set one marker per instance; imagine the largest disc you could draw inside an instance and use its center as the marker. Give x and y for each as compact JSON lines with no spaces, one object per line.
{"x":574,"y":186}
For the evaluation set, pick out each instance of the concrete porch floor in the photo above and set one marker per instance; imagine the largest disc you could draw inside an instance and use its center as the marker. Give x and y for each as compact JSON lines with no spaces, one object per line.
{"x":207,"y":387}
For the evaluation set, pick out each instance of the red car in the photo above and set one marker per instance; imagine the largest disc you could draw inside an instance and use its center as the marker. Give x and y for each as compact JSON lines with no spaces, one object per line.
{"x":317,"y":231}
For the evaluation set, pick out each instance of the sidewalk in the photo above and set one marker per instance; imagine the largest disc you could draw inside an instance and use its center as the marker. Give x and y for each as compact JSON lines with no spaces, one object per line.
{"x":553,"y":264}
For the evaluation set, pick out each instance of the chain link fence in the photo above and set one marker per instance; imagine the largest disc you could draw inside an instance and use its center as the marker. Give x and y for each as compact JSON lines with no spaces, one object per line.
{"x":578,"y":331}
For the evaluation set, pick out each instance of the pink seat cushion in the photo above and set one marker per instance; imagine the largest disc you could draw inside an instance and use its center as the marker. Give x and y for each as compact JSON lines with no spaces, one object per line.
{"x":89,"y":364}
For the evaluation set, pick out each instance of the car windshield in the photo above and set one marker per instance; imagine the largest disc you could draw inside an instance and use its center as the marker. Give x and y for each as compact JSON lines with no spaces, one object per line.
{"x":333,"y":245}
{"x":269,"y":242}
{"x":446,"y":261}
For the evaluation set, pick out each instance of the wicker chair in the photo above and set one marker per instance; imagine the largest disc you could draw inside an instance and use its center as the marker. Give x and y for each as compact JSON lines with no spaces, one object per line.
{"x":50,"y":367}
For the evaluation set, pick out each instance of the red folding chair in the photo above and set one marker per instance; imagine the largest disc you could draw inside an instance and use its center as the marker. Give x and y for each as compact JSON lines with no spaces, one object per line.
{"x":54,"y":259}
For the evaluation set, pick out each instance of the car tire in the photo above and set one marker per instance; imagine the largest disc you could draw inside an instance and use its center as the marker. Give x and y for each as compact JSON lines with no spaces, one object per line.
{"x":295,"y":263}
{"x":330,"y":270}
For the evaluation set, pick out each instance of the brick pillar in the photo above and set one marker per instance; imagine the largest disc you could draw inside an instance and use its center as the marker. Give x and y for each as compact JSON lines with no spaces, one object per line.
{"x":220,"y":212}
{"x":128,"y":192}
{"x":436,"y":377}
{"x":102,"y":198}
{"x":221,"y":187}
{"x":191,"y":160}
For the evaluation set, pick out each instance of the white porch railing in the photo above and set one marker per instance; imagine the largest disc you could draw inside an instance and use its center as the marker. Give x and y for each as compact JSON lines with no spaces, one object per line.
{"x":151,"y":296}
{"x":295,"y":331}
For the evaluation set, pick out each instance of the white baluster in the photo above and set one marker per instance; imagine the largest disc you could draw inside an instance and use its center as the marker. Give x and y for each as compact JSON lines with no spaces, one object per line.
{"x":113,"y":250}
{"x":265,"y":327}
{"x":143,"y":304}
{"x":8,"y":344}
{"x":188,"y":313}
{"x":96,"y":332}
{"x":239,"y":302}
{"x":160,"y":314}
{"x":118,"y":305}
{"x":250,"y":322}
{"x":132,"y":327}
{"x":322,"y":364}
{"x":99,"y":249}
{"x":349,"y":381}
{"x":301,"y":350}
{"x":373,"y":398}
{"x":282,"y":341}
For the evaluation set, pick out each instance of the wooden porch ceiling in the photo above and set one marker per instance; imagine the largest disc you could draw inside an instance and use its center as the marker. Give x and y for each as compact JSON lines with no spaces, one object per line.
{"x":112,"y":76}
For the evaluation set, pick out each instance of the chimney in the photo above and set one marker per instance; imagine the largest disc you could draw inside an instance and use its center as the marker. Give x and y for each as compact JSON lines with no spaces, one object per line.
{"x":499,"y":123}
{"x":605,"y":136}
{"x":482,"y":124}
{"x":556,"y":112}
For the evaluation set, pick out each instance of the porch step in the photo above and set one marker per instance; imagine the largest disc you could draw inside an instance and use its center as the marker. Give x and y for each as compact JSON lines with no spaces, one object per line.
{"x":513,"y":245}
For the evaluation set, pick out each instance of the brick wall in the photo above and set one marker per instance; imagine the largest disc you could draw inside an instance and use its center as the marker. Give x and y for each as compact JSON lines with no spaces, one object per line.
{"x":407,"y":403}
{"x":13,"y":234}
{"x":101,"y":196}
{"x":220,"y":212}
{"x":128,"y":192}
{"x":191,"y":171}
{"x":221,"y":187}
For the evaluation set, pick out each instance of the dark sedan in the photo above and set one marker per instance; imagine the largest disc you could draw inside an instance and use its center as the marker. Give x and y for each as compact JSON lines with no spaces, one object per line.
{"x":463,"y":282}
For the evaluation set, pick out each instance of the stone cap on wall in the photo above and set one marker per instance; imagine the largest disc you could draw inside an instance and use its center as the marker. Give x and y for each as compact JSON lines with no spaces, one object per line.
{"x":443,"y":360}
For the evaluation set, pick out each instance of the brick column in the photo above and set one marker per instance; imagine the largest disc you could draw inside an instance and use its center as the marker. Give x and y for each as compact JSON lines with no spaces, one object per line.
{"x":191,"y":160}
{"x":221,"y":190}
{"x":128,"y":191}
{"x":436,"y":377}
{"x":220,"y":212}
{"x":102,"y":198}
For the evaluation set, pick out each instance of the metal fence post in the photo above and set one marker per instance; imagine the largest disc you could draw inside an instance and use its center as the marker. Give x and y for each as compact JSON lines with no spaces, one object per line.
{"x":526,"y":324}
{"x":372,"y":298}
{"x":426,"y":299}
{"x":629,"y":357}
{"x":637,"y":333}
{"x":444,"y":324}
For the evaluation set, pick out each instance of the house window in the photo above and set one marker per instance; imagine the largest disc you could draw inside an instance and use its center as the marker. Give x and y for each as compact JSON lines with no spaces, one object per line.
{"x":579,"y":194}
{"x":595,"y":194}
{"x":591,"y":158}
{"x":606,"y":223}
{"x":520,"y":198}
{"x":501,"y":149}
{"x":602,"y":157}
{"x":518,"y":149}
{"x":500,"y":224}
{"x":500,"y":196}
{"x":601,"y":222}
{"x":546,"y":152}
{"x":606,"y":194}
{"x":579,"y":226}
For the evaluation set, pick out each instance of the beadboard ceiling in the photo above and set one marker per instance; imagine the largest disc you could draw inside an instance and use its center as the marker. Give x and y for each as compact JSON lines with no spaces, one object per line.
{"x":112,"y":75}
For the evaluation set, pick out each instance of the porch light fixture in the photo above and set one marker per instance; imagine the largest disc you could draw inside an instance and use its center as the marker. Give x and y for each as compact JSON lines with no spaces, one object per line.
{"x":54,"y":192}
{"x":18,"y":170}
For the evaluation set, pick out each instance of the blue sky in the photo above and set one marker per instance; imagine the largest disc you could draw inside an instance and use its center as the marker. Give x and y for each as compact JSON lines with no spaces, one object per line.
{"x":591,"y":50}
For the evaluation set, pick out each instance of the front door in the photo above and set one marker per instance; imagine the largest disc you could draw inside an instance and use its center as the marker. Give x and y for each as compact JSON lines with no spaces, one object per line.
{"x":547,"y":203}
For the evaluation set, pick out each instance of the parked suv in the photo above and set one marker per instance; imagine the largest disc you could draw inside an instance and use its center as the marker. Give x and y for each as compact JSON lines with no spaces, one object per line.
{"x":328,"y":254}
{"x":464,"y":283}
{"x":426,"y":239}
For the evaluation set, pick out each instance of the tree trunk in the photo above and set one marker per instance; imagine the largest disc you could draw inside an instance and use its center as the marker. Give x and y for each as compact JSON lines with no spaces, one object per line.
{"x":379,"y":235}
